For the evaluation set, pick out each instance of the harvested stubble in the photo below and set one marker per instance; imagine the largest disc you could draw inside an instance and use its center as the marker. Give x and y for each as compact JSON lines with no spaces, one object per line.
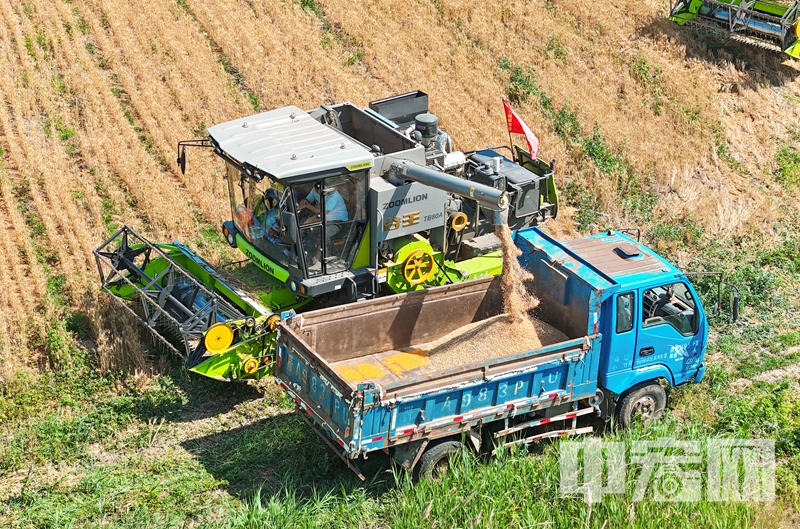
{"x":492,"y":338}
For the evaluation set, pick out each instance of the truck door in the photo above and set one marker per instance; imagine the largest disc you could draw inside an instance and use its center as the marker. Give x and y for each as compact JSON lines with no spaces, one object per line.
{"x":671,"y":330}
{"x":623,"y":332}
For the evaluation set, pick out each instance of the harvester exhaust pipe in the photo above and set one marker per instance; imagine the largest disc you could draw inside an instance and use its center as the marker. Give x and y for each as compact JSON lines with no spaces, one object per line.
{"x":487,"y":197}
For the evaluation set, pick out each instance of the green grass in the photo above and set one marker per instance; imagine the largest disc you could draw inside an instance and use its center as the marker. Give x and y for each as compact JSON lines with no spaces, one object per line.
{"x":788,"y":170}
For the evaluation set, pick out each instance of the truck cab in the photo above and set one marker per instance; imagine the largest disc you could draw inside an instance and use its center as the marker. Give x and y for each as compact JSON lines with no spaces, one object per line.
{"x":657,"y":328}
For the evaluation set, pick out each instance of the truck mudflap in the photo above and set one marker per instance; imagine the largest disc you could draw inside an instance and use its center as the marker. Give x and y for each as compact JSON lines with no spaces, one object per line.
{"x":217,"y":329}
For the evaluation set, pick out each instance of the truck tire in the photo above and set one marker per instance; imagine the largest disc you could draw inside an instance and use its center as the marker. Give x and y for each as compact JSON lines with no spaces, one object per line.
{"x":646,"y":402}
{"x":435,"y":462}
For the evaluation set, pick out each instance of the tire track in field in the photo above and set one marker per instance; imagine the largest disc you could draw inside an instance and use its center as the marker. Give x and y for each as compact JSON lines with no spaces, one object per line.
{"x":186,"y":87}
{"x":29,"y":279}
{"x":120,"y":169}
{"x":78,"y":182}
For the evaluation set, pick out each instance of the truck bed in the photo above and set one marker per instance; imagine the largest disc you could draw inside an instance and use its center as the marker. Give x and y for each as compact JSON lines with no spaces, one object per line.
{"x":367,"y":376}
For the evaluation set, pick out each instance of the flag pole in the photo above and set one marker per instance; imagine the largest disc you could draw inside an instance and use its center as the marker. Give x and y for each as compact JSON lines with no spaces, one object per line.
{"x":510,"y":141}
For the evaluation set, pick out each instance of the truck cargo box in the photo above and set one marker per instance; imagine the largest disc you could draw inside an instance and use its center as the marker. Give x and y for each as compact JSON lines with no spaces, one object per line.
{"x":365,"y":374}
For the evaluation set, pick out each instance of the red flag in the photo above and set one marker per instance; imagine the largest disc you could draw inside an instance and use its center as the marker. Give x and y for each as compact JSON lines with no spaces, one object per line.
{"x":517,"y":126}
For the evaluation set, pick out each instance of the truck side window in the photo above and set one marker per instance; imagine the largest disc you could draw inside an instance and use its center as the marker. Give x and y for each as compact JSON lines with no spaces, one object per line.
{"x":624,"y":313}
{"x":671,"y":304}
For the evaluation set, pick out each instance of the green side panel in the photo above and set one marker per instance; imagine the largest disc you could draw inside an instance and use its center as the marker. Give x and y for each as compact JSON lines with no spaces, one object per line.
{"x":490,"y":264}
{"x":403,"y":247}
{"x":261,"y":260}
{"x":681,"y":17}
{"x":793,"y":50}
{"x":773,"y":9}
{"x":553,"y":193}
{"x":776,"y":9}
{"x":446,"y":271}
{"x":230,"y":364}
{"x":267,"y":290}
{"x":362,"y":257}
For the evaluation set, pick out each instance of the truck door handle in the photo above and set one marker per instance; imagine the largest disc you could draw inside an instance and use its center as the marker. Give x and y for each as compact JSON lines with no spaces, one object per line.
{"x":647,"y":351}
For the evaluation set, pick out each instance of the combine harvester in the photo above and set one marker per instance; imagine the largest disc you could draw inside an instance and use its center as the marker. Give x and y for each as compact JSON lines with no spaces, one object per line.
{"x":768,"y":24}
{"x":331,"y":206}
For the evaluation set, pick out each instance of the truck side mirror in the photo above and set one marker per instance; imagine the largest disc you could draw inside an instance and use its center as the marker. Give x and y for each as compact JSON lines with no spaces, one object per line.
{"x":735,"y":304}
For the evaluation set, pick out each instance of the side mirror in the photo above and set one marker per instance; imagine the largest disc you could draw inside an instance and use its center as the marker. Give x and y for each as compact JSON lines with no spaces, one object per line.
{"x":182,"y":160}
{"x":735,"y":304}
{"x":289,"y":225}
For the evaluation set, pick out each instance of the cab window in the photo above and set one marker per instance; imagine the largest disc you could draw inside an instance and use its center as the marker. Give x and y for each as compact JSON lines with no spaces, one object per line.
{"x":624,"y":312}
{"x":331,"y":214}
{"x":257,"y":209}
{"x":672,"y":305}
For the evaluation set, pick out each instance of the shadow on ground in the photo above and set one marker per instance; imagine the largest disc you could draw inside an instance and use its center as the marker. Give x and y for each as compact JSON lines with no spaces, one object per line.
{"x":281,"y":452}
{"x":760,"y":66}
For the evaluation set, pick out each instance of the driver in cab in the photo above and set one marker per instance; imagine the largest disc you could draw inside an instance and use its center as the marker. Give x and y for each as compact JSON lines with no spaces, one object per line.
{"x":335,"y":208}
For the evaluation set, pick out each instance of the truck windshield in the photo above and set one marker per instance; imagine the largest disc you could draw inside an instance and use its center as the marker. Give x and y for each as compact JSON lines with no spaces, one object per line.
{"x":257,"y":214}
{"x":331,"y":213}
{"x":671,"y":304}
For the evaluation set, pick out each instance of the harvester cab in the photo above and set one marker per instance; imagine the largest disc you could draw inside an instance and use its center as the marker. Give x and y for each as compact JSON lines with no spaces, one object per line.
{"x":331,"y":206}
{"x":768,"y":24}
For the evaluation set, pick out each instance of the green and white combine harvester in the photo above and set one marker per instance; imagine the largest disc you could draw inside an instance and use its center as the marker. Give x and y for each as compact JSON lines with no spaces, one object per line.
{"x":330,"y":206}
{"x":768,"y":24}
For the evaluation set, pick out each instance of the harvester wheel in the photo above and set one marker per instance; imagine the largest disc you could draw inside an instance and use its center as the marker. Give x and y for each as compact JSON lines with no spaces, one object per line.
{"x":418,"y":266}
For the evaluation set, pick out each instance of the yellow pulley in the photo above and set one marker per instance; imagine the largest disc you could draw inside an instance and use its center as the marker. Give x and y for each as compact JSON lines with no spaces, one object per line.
{"x":218,"y":338}
{"x":459,"y":221}
{"x":418,"y":266}
{"x":250,"y":366}
{"x":272,"y":322}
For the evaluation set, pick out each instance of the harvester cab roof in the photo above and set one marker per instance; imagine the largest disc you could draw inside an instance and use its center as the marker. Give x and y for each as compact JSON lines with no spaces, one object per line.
{"x":287,"y":144}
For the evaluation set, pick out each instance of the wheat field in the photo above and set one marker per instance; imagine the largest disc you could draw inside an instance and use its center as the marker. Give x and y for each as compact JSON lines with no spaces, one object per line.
{"x":97,"y":93}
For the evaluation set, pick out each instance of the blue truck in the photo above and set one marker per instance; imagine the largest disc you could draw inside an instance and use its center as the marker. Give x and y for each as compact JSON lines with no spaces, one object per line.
{"x":634,"y":325}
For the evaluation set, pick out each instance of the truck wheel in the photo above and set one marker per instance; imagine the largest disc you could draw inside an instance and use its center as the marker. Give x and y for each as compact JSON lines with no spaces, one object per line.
{"x":435,"y":462}
{"x":647,"y":403}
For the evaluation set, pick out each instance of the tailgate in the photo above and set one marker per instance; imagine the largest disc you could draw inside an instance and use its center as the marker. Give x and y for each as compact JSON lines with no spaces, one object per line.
{"x":311,"y":382}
